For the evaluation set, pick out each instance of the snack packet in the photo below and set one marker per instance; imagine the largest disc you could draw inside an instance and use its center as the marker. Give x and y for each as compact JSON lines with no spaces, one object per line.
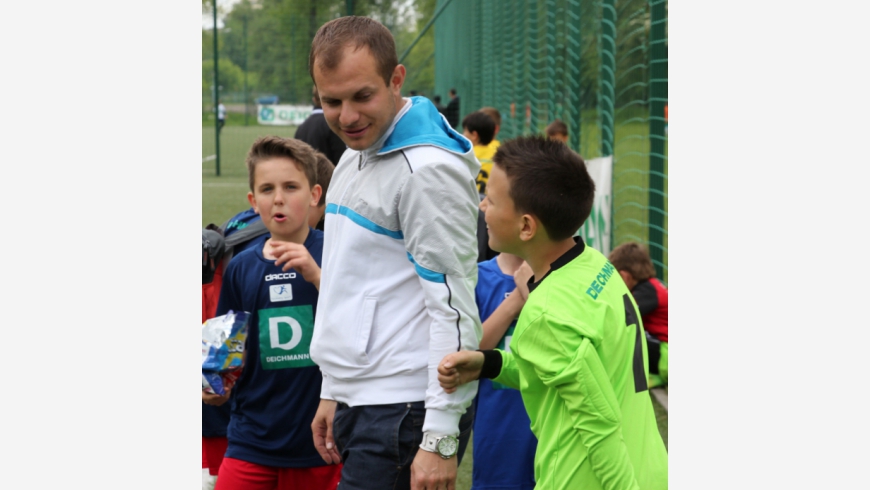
{"x":223,"y":348}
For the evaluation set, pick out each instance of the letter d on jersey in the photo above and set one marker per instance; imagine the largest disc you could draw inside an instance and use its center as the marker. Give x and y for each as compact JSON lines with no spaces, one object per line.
{"x":284,"y":336}
{"x":295,"y":333}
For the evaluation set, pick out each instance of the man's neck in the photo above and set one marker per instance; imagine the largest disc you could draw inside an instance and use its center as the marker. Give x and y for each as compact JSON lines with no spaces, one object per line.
{"x":541,"y":255}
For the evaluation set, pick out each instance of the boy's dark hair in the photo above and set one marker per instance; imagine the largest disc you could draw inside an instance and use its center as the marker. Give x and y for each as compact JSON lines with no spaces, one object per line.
{"x":633,"y":258}
{"x":301,"y":153}
{"x":549,"y":181}
{"x":482,"y":123}
{"x":327,"y":48}
{"x":315,"y":98}
{"x":436,"y":99}
{"x":557,"y":127}
{"x":324,"y":174}
{"x":493,"y":113}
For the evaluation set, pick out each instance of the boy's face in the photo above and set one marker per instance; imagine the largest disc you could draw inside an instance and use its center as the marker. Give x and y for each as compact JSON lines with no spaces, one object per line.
{"x":283,"y":198}
{"x":503,"y":222}
{"x":358,"y":106}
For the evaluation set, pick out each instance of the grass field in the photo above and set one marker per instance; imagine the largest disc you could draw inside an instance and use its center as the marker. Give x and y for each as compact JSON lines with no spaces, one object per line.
{"x":224,"y":196}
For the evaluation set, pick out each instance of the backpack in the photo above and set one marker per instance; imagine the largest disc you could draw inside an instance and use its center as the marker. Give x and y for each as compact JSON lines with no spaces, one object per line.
{"x":217,"y":251}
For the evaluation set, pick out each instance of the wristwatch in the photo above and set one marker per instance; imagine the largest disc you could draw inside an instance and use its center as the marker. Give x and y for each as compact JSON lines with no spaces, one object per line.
{"x":444,"y":446}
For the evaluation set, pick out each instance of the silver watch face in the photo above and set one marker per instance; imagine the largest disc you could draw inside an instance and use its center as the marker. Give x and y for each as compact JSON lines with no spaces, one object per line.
{"x":447,"y":446}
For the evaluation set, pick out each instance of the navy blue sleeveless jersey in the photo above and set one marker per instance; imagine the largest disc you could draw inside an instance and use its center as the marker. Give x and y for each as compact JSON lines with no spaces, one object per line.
{"x":276,"y":397}
{"x":504,"y":446}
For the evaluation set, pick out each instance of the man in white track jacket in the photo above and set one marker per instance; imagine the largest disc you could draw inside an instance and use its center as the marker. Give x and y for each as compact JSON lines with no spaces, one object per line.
{"x":399,"y":270}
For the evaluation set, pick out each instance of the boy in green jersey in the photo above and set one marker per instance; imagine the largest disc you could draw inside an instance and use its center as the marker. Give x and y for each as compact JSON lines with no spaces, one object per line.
{"x":578,"y":354}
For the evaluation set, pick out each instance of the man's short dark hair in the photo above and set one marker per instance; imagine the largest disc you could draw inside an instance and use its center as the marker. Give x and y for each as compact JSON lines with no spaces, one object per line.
{"x":327,"y":48}
{"x":453,"y":91}
{"x":548,"y":181}
{"x":436,"y":99}
{"x":482,"y":123}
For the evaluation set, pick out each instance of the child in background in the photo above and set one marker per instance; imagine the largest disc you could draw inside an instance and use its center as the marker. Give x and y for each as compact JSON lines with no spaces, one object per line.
{"x":273,"y":402}
{"x":504,"y":446}
{"x":557,"y":130}
{"x":496,"y":118}
{"x":479,"y":128}
{"x":633,"y":262}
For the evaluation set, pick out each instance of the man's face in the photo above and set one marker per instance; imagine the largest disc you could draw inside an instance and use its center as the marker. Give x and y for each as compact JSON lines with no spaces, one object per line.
{"x":358,"y":106}
{"x":502,"y":220}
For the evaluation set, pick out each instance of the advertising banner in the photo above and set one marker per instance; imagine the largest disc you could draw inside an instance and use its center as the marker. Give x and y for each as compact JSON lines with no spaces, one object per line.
{"x":282,"y":115}
{"x":596,"y":230}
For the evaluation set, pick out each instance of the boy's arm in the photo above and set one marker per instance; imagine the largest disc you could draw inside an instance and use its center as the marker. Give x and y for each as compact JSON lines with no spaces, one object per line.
{"x":565,"y":360}
{"x":438,"y":214}
{"x":498,"y":322}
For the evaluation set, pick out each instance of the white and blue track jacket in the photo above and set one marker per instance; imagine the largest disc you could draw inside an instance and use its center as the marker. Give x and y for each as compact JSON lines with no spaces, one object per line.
{"x":399,"y":268}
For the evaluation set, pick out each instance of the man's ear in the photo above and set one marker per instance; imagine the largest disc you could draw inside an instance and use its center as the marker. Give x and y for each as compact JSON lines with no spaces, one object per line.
{"x":397,"y":79}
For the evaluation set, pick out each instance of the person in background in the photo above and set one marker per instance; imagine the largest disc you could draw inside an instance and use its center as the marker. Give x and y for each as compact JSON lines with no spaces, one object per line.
{"x":557,"y":130}
{"x":479,"y":128}
{"x":316,"y":133}
{"x":452,"y":110}
{"x":633,"y":262}
{"x":222,"y":115}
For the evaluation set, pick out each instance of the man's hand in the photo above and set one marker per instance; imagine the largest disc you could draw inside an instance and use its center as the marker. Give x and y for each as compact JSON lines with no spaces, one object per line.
{"x":430,"y":471}
{"x":321,"y":427}
{"x":215,"y":400}
{"x":459,"y":368}
{"x":296,"y":256}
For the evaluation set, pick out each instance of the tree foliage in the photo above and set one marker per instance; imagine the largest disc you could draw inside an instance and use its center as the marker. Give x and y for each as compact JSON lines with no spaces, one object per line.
{"x":271,"y":39}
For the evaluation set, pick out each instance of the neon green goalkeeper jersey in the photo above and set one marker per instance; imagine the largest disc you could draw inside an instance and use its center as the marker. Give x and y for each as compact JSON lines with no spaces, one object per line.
{"x":578,"y":356}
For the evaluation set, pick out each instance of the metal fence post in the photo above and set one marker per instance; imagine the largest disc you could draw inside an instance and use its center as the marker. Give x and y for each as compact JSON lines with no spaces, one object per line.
{"x":217,"y":88}
{"x":606,"y":98}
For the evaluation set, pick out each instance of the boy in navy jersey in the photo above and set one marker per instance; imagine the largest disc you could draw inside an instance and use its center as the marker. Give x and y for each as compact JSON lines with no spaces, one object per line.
{"x":273,"y":402}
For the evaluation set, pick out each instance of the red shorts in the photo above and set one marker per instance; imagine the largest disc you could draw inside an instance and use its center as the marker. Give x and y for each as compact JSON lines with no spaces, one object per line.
{"x":236,"y":474}
{"x":213,"y":450}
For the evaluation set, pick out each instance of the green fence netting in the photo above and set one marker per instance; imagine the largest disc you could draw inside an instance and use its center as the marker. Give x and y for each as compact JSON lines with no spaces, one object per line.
{"x":599,"y":66}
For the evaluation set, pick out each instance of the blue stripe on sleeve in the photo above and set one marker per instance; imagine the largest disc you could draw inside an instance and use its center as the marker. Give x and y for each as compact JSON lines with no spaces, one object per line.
{"x":425,"y":273}
{"x":363,"y":221}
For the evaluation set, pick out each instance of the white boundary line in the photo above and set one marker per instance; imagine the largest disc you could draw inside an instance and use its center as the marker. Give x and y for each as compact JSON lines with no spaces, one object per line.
{"x":209,"y":158}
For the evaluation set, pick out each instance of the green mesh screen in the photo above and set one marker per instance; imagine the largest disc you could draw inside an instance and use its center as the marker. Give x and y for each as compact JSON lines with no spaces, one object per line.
{"x":599,"y":66}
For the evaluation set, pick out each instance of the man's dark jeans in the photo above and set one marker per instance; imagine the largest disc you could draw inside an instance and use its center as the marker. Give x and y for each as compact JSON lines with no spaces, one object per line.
{"x":378,"y":443}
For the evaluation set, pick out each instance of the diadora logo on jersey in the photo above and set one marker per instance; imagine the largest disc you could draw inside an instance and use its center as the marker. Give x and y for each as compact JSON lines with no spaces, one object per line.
{"x":280,"y":292}
{"x":275,"y":277}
